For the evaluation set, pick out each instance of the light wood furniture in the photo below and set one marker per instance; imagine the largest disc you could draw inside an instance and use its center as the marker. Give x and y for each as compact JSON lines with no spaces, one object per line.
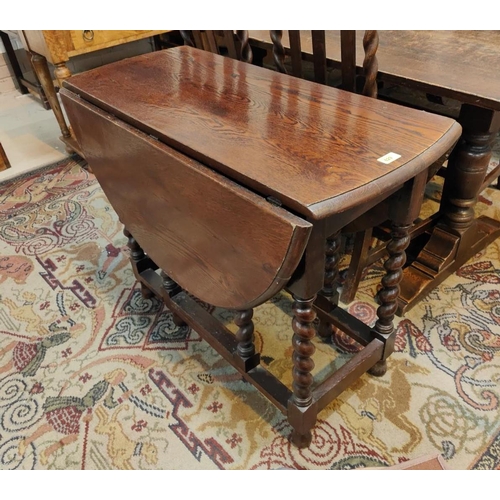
{"x":24,"y":85}
{"x":58,"y":47}
{"x":230,"y":178}
{"x":462,"y":65}
{"x":4,"y":161}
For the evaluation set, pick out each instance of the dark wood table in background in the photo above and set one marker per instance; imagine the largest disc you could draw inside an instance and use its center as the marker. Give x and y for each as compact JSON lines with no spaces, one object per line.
{"x":462,"y":65}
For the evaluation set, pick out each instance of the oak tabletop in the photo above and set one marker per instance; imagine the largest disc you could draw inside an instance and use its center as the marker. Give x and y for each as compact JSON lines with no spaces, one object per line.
{"x":313,"y":147}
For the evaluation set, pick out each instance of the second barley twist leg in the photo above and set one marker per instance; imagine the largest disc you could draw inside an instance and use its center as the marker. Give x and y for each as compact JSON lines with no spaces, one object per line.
{"x":244,"y":335}
{"x":303,"y":349}
{"x":137,"y":254}
{"x":332,"y":259}
{"x":388,"y":295}
{"x":171,"y":287}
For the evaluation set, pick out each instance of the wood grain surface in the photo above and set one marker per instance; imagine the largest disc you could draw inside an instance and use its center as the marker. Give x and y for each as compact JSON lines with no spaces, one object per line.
{"x":222,"y":243}
{"x":312,"y":147}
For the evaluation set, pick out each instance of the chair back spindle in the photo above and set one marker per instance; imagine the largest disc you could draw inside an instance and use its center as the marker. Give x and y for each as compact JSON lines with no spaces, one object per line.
{"x":319,"y":57}
{"x":246,"y":54}
{"x":278,"y":50}
{"x":211,"y":41}
{"x":348,"y":59}
{"x":296,"y":52}
{"x":370,"y":63}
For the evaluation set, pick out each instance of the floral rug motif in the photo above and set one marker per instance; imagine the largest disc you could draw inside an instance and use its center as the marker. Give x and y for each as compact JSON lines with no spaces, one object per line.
{"x":94,"y":376}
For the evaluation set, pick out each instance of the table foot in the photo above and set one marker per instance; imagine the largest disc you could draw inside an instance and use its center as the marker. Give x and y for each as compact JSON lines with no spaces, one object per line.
{"x":146,"y":292}
{"x":71,"y":145}
{"x":301,"y":440}
{"x":444,"y":254}
{"x":178,"y":321}
{"x":379,"y":369}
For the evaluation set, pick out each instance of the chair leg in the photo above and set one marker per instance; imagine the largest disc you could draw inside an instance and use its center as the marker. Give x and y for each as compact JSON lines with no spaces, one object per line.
{"x":357,"y":265}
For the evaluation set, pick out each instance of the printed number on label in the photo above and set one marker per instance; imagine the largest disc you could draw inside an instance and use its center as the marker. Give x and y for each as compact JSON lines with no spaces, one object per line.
{"x":389,"y":158}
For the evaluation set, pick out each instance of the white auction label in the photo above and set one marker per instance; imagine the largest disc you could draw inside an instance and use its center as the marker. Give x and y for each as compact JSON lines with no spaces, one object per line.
{"x":389,"y":158}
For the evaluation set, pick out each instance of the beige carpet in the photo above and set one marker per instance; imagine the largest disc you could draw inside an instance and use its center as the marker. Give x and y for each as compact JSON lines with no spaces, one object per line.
{"x":93,"y":376}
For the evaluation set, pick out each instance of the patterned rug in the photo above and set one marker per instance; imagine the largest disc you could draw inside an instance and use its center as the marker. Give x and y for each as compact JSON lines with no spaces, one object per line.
{"x":93,"y":376}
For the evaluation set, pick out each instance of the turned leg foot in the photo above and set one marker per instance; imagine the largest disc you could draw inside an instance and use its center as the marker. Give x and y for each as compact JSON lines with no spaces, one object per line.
{"x":325,"y":331}
{"x":301,"y":440}
{"x":146,"y":292}
{"x":379,"y":369}
{"x":178,"y":321}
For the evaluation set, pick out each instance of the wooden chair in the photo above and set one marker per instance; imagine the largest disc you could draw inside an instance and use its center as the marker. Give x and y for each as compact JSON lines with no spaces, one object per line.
{"x":319,"y":60}
{"x":245,"y":173}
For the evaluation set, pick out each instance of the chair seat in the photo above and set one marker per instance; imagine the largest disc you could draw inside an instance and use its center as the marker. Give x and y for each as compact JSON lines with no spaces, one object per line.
{"x":314,"y":148}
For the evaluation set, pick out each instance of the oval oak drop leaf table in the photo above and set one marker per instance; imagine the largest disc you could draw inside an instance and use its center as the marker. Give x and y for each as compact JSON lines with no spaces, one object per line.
{"x":233,"y":183}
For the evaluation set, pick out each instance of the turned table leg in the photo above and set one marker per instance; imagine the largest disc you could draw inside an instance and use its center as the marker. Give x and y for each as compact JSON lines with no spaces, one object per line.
{"x":61,"y":72}
{"x":171,"y":287}
{"x":458,"y":235}
{"x":332,"y":260}
{"x":245,"y":355}
{"x":388,"y":294}
{"x":467,"y":166}
{"x":43,"y":74}
{"x":136,"y":255}
{"x":404,"y":209}
{"x":303,"y":349}
{"x":244,"y":335}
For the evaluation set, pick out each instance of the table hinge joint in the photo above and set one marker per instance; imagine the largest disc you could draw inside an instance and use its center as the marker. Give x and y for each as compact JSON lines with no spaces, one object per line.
{"x":274,"y":201}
